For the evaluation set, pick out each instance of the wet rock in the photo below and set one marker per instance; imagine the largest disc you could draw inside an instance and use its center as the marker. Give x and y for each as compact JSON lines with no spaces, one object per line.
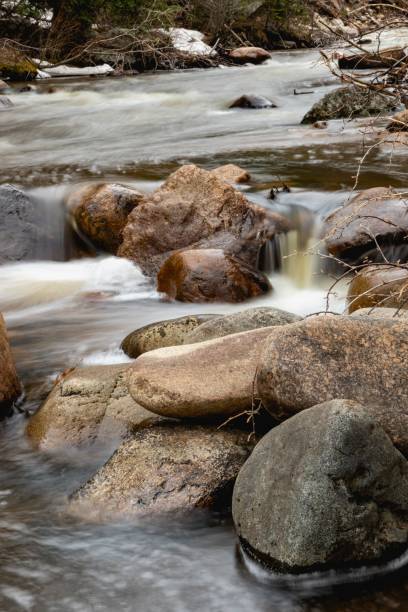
{"x":204,"y":380}
{"x":164,"y":333}
{"x":101,"y":210}
{"x":5,"y":103}
{"x":246,"y":320}
{"x":332,"y":357}
{"x":87,"y":405}
{"x":19,"y":234}
{"x":379,"y":286}
{"x":249,"y":55}
{"x":15,"y":66}
{"x":381,"y":313}
{"x":324,"y":489}
{"x":348,"y":103}
{"x":164,"y":469}
{"x":10,"y":387}
{"x":374,"y":61}
{"x":208,"y":275}
{"x":194,"y":209}
{"x":232,"y":174}
{"x":255,"y":102}
{"x":377,"y":214}
{"x":399,"y":122}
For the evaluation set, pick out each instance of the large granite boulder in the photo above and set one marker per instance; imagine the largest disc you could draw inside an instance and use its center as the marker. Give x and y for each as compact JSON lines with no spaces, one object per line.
{"x":379,"y":286}
{"x":209,"y":275}
{"x":350,"y":102}
{"x":10,"y":387}
{"x":330,"y":357}
{"x":87,"y":405}
{"x":245,"y":320}
{"x":161,"y":334}
{"x":213,"y":379}
{"x":101,"y":210}
{"x":374,"y":217}
{"x":194,"y":209}
{"x":162,"y":469}
{"x":324,"y":489}
{"x":19,"y":233}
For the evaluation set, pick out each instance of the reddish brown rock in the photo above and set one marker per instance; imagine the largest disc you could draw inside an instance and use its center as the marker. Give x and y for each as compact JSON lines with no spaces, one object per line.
{"x":374,"y":214}
{"x":207,"y":275}
{"x":101,"y":211}
{"x":385,"y":286}
{"x":249,"y":55}
{"x":196,"y":210}
{"x":232,"y":174}
{"x":10,"y":387}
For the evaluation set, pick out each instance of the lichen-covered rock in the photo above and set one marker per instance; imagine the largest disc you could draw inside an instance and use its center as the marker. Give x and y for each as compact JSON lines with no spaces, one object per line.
{"x":249,"y":55}
{"x":194,"y":209}
{"x":19,"y":233}
{"x":330,"y":357}
{"x":348,"y":103}
{"x":324,"y":489}
{"x":86,"y":405}
{"x":379,"y":286}
{"x":10,"y":387}
{"x":161,"y":334}
{"x":101,"y":210}
{"x":246,"y":320}
{"x":250,"y":101}
{"x":208,"y":275}
{"x":162,"y":469}
{"x":232,"y":174}
{"x":213,"y":379}
{"x":377,"y":214}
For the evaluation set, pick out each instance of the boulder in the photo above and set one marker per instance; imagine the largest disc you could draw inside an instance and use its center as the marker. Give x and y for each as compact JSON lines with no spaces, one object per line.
{"x":232,"y":174}
{"x":246,"y":320}
{"x":349,"y":102}
{"x":87,"y":405}
{"x":381,"y":313}
{"x":249,"y":101}
{"x":162,"y":469}
{"x":5,"y":103}
{"x":10,"y":387}
{"x":213,"y":379}
{"x":208,"y":275}
{"x":379,"y":286}
{"x":15,"y":66}
{"x":101,"y":210}
{"x":249,"y":55}
{"x":194,"y":209}
{"x":332,"y":357}
{"x":164,"y":333}
{"x":19,"y":234}
{"x":399,"y":122}
{"x":324,"y":489}
{"x":373,"y":60}
{"x":374,"y":217}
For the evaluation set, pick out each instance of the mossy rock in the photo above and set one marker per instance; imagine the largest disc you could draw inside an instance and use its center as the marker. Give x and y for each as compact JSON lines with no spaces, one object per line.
{"x":15,"y":66}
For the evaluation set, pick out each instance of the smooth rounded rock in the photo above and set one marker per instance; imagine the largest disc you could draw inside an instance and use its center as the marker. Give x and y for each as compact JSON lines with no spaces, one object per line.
{"x":383,"y":285}
{"x":324,"y":489}
{"x":232,"y":174}
{"x":249,"y":55}
{"x":254,"y":102}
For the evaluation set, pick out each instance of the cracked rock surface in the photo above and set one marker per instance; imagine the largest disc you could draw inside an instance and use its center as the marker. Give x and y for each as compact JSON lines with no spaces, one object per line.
{"x":324,"y":488}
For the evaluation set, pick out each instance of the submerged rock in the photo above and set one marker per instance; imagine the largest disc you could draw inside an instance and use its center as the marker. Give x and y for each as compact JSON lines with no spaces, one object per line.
{"x":348,"y":103}
{"x":324,"y":489}
{"x":249,"y":55}
{"x":377,"y":214}
{"x":10,"y":387}
{"x":164,"y":333}
{"x":208,"y":275}
{"x":330,"y":357}
{"x":249,"y":101}
{"x":379,"y":286}
{"x":194,"y":209}
{"x":86,"y":405}
{"x":213,"y":379}
{"x":5,"y":103}
{"x":246,"y":320}
{"x":167,"y":468}
{"x":19,"y":234}
{"x":231,"y":174}
{"x":101,"y":211}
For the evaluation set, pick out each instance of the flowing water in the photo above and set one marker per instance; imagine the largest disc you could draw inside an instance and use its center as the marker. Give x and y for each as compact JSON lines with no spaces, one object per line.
{"x":62,"y":311}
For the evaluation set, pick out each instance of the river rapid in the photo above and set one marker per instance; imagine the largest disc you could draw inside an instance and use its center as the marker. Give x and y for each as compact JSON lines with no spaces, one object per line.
{"x":62,"y":310}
